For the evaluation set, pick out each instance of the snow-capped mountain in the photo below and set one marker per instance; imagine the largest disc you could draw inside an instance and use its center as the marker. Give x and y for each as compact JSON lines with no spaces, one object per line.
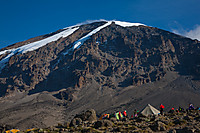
{"x":106,"y":65}
{"x":63,"y":34}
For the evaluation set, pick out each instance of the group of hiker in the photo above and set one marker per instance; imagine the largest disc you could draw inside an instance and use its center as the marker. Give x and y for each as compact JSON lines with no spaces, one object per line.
{"x":120,"y":115}
{"x":180,"y":109}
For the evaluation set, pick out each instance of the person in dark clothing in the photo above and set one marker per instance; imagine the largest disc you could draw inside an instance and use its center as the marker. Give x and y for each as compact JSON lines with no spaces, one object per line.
{"x":180,"y":109}
{"x":191,"y":107}
{"x":171,"y":111}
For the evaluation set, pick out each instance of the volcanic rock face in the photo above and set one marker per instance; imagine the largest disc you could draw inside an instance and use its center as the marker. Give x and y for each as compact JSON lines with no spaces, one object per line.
{"x":111,"y":65}
{"x":25,"y":71}
{"x":114,"y":57}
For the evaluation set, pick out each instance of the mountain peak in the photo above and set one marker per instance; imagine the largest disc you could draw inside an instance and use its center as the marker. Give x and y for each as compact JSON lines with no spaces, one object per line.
{"x":63,"y":34}
{"x":121,"y":23}
{"x":106,"y":65}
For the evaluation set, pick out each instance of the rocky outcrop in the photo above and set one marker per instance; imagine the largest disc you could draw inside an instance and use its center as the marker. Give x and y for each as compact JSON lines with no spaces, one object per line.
{"x":89,"y":115}
{"x":76,"y":122}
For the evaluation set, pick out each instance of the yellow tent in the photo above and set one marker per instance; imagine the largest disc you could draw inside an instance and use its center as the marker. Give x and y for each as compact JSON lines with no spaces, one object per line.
{"x":13,"y":131}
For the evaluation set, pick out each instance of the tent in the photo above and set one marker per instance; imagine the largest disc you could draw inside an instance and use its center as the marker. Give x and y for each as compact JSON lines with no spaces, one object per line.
{"x":13,"y":131}
{"x":149,"y":110}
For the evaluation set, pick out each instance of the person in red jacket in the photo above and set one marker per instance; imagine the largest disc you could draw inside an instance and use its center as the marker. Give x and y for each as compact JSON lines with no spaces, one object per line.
{"x":125,"y":114}
{"x":161,"y":109}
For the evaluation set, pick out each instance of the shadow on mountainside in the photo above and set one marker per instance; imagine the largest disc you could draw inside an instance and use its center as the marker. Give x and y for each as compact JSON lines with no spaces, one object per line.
{"x":190,"y":65}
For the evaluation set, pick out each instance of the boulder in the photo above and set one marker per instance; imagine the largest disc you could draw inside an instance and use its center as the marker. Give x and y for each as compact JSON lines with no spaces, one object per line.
{"x":98,"y":124}
{"x":89,"y":115}
{"x":76,"y":122}
{"x":103,"y":123}
{"x":107,"y":123}
{"x":158,"y":126}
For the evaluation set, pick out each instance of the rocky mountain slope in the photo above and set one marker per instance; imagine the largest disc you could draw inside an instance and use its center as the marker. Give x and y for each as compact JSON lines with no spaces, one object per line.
{"x":106,"y":65}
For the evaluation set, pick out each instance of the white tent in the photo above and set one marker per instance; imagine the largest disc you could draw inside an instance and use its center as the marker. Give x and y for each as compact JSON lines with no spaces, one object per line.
{"x":150,"y":110}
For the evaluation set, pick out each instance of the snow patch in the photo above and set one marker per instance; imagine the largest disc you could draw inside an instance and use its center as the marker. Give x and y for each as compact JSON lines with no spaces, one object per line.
{"x":83,"y":39}
{"x":5,"y":51}
{"x":35,"y":45}
{"x":80,"y":42}
{"x":5,"y":60}
{"x":41,"y":43}
{"x":127,"y":24}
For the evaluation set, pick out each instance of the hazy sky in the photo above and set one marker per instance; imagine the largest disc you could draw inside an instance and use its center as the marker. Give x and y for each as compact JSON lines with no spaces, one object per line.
{"x":24,"y":19}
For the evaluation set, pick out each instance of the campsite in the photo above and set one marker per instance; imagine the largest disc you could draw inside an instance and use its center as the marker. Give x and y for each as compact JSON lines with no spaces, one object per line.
{"x":148,"y":119}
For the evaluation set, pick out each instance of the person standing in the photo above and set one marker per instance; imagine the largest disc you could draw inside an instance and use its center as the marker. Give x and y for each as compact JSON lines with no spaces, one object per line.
{"x":161,"y":109}
{"x":125,"y":114}
{"x":191,"y":107}
{"x":135,"y":113}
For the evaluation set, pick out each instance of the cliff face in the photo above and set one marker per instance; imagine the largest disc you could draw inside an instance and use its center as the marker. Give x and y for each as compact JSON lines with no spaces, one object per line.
{"x":130,"y":64}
